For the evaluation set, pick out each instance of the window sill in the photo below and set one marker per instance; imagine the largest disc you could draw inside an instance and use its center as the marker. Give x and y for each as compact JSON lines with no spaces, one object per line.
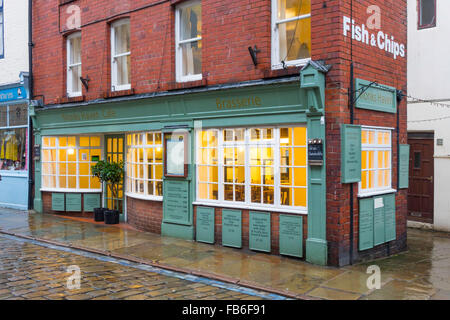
{"x":187,"y":84}
{"x":71,"y":190}
{"x":250,"y":207}
{"x":72,"y":99}
{"x":142,"y":197}
{"x":275,"y":73}
{"x":119,"y":93}
{"x":376,"y":193}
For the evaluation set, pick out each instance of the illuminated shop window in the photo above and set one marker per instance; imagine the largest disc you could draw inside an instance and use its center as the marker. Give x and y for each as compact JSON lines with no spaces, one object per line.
{"x":120,"y":55}
{"x":13,"y":137}
{"x":375,"y":160}
{"x":291,"y":32}
{"x":188,"y":37}
{"x":145,"y":164}
{"x":253,"y":167}
{"x":67,"y":161}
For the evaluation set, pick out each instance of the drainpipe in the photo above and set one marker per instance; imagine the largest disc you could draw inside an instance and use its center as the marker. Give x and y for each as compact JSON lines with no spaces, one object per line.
{"x":31,"y":95}
{"x":352,"y":118}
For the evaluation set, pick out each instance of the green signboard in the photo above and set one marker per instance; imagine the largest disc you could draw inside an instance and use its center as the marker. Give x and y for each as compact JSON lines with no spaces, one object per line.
{"x":350,"y":153}
{"x":403,"y":167}
{"x":91,"y":201}
{"x":378,"y":221}
{"x":389,"y":217}
{"x":73,"y":202}
{"x":58,"y":202}
{"x":365,"y":224}
{"x":176,"y":202}
{"x":374,"y":96}
{"x":232,"y":228}
{"x":259,"y":231}
{"x":205,"y":225}
{"x":291,"y":235}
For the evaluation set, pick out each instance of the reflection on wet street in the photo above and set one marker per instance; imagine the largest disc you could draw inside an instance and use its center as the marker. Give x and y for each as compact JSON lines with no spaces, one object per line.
{"x":421,"y":273}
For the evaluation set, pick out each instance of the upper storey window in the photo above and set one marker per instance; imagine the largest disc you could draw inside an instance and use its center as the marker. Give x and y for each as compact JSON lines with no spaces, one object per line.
{"x":291,"y":32}
{"x":188,"y":36}
{"x":120,"y":55}
{"x":2,"y":45}
{"x":74,"y":65}
{"x":427,"y":14}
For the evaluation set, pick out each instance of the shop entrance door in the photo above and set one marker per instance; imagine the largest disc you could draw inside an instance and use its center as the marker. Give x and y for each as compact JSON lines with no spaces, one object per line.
{"x":421,"y":177}
{"x":115,"y":153}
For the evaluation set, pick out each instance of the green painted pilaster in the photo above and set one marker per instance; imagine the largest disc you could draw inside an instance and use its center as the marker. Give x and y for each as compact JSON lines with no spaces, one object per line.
{"x":37,"y":203}
{"x":313,"y":81}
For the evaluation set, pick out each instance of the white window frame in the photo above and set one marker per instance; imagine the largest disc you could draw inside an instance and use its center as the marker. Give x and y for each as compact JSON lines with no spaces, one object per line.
{"x":71,"y":93}
{"x":178,"y":43}
{"x":57,"y":161}
{"x":276,"y":59}
{"x":131,"y":176}
{"x":377,"y":147}
{"x":275,"y":144}
{"x":114,"y":86}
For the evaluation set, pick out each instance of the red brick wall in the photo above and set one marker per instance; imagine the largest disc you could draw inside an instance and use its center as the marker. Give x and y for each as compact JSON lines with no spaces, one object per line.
{"x":144,"y":215}
{"x":229,"y":28}
{"x":274,"y":224}
{"x":373,"y":64}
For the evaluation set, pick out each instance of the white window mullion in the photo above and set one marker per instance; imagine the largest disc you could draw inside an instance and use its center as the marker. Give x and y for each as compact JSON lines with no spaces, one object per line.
{"x":277,"y":170}
{"x":247,"y":166}
{"x":221,"y":166}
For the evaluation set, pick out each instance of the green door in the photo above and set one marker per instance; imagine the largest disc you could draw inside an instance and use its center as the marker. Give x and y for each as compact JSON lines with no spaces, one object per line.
{"x":115,"y":153}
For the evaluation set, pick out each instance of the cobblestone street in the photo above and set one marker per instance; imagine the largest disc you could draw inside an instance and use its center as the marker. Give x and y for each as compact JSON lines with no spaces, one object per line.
{"x":30,"y":271}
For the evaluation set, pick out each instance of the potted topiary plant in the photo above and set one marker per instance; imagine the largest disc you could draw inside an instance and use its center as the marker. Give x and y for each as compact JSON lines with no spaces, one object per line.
{"x":113,"y":173}
{"x":99,"y":172}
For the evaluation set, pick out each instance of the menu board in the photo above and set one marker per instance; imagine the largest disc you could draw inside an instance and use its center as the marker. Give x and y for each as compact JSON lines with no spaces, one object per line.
{"x":176,"y":201}
{"x":259,"y":231}
{"x":205,"y":225}
{"x":232,"y":228}
{"x":378,"y":221}
{"x":403,"y":168}
{"x":291,"y":235}
{"x":58,"y":202}
{"x":366,"y":224}
{"x":91,"y":201}
{"x":389,"y":217}
{"x":350,"y":153}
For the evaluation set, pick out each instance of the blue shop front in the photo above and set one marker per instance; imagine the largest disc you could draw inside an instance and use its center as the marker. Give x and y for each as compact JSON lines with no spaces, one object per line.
{"x":14,"y":144}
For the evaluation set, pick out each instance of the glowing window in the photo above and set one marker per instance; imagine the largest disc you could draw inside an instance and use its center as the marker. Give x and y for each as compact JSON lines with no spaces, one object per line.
{"x":67,"y":161}
{"x":145,"y":164}
{"x":376,"y":166}
{"x":256,"y":167}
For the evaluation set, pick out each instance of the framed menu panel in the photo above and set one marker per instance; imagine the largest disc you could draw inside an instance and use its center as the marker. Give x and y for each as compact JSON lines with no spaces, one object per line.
{"x":176,"y":154}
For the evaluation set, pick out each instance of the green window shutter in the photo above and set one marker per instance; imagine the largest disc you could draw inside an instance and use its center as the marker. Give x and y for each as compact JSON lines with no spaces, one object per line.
{"x":403,"y":167}
{"x":350,"y":153}
{"x":366,"y":227}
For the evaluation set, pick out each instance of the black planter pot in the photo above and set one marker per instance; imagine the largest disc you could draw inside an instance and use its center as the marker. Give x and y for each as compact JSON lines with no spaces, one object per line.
{"x":111,"y":217}
{"x":99,"y":214}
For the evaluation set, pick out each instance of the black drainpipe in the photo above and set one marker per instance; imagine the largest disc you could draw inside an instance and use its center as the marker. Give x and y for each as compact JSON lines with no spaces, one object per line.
{"x":31,"y":95}
{"x":351,"y":102}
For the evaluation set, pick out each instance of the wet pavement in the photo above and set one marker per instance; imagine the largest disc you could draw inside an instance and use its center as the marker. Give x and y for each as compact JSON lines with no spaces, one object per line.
{"x":30,"y":270}
{"x":423,"y":272}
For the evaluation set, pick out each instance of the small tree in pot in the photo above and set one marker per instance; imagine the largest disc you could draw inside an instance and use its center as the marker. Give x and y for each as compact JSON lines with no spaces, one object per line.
{"x":112,"y":173}
{"x":99,"y":172}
